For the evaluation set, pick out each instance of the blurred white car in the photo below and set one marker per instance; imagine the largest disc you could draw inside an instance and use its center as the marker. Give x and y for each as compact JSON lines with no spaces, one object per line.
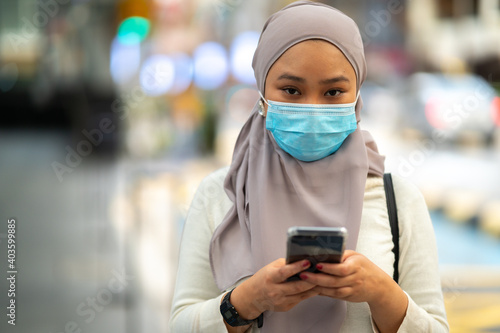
{"x":450,"y":106}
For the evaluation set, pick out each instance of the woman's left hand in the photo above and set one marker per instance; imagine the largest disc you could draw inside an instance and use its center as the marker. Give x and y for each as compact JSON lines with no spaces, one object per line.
{"x":356,"y":279}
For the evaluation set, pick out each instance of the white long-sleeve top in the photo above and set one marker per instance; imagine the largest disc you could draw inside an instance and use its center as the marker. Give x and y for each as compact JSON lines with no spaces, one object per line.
{"x":197,"y":299}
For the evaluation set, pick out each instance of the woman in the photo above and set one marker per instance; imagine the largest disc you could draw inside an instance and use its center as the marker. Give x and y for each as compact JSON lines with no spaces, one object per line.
{"x":301,"y":159}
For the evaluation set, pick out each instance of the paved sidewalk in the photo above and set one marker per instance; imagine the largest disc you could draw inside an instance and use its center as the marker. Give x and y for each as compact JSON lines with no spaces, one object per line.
{"x":470,"y":276}
{"x":472,"y":298}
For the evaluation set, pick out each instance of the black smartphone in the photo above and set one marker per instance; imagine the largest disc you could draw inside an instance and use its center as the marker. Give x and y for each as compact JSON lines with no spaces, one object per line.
{"x":317,"y":244}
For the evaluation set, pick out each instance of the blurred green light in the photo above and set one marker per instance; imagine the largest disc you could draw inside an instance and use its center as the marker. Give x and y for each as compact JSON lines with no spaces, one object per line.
{"x":133,"y":30}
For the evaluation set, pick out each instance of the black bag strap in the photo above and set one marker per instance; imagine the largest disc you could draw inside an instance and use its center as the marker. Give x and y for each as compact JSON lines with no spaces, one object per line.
{"x":393,"y":220}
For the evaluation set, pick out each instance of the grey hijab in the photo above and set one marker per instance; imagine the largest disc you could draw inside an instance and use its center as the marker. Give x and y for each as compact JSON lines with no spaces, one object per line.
{"x":272,"y":191}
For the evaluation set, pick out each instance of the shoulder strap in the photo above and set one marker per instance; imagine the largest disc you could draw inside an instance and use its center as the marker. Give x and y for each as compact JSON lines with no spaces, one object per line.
{"x":393,"y":220}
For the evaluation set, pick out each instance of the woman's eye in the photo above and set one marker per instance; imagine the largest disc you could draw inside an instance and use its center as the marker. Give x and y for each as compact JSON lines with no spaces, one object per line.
{"x":291,"y":91}
{"x":333,"y":92}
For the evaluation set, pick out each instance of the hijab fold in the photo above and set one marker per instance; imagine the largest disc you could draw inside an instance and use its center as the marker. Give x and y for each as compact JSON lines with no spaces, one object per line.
{"x":272,"y":191}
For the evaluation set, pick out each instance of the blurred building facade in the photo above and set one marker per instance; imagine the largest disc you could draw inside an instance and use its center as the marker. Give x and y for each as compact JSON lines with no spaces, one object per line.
{"x":456,"y":35}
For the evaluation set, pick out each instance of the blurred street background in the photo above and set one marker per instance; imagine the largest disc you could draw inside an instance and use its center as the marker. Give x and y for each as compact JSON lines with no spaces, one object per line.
{"x":112,"y":111}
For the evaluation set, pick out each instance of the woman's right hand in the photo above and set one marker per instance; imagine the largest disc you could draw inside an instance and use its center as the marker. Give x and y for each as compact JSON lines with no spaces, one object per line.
{"x":268,"y":289}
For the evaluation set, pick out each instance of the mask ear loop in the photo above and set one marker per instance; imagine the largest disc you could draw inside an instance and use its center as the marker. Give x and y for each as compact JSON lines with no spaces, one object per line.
{"x":261,"y":105}
{"x":261,"y":108}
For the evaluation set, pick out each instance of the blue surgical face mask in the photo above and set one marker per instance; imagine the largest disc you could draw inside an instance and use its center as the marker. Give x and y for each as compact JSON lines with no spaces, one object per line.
{"x":310,"y":132}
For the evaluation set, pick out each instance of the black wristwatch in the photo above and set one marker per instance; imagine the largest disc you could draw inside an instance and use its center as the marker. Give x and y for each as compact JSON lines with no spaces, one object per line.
{"x":232,"y":317}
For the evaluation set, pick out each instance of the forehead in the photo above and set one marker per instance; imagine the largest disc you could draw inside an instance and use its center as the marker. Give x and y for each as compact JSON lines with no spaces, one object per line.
{"x":313,"y":57}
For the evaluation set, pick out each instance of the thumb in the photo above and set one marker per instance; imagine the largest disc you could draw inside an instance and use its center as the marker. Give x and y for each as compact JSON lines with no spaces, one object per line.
{"x":347,"y":254}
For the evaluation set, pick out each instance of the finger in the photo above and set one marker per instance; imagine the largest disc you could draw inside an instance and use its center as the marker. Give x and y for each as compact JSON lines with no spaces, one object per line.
{"x":348,"y":253}
{"x":289,"y":302}
{"x":343,"y":293}
{"x":284,"y":272}
{"x":296,"y":287}
{"x":307,"y":294}
{"x":351,"y":262}
{"x":343,"y":269}
{"x":327,"y":280}
{"x":302,"y":296}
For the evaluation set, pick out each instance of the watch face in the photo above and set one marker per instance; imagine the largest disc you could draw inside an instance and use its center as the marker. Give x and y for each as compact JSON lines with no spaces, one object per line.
{"x":228,"y":314}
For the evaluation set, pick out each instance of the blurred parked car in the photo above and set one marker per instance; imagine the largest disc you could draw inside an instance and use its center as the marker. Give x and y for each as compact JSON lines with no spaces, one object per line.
{"x":450,"y":108}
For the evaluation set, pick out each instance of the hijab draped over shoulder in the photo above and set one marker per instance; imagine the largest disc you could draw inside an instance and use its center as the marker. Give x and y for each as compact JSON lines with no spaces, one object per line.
{"x":272,"y":191}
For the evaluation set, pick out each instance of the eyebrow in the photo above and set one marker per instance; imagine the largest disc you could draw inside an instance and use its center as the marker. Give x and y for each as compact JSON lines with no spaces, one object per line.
{"x":287,"y":76}
{"x":291,"y":77}
{"x":340,"y":78}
